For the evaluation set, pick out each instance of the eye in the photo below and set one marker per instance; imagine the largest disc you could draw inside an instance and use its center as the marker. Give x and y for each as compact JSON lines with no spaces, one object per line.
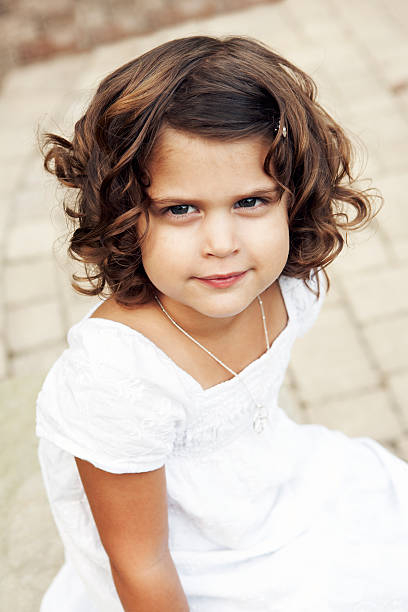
{"x":180,"y":209}
{"x":249,"y":202}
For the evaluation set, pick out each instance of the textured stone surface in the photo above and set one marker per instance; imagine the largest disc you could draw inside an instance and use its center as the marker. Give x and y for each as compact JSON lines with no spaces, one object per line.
{"x":376,"y":293}
{"x":367,"y":250}
{"x":387,"y":342}
{"x":36,"y":324}
{"x":30,"y":239}
{"x":399,"y":387}
{"x":30,"y":550}
{"x":38,"y":359}
{"x":330,"y":360}
{"x":3,"y":360}
{"x":29,"y":280}
{"x":366,"y":414}
{"x":31,"y":31}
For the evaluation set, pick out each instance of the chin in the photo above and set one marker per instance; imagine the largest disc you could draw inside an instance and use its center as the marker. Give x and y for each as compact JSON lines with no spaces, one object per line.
{"x":220,"y":308}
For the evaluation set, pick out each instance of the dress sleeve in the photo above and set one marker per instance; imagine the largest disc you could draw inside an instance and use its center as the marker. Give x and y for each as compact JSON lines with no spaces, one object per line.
{"x":92,"y":410}
{"x":308,"y":304}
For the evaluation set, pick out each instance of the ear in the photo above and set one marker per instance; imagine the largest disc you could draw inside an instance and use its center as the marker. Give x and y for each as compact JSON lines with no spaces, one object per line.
{"x":145,"y":178}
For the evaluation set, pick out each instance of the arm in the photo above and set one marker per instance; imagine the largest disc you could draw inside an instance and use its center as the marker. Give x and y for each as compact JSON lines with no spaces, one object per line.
{"x":130,"y":512}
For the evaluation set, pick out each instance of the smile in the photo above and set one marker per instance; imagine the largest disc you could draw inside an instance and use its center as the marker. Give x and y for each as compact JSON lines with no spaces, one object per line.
{"x":222,"y":280}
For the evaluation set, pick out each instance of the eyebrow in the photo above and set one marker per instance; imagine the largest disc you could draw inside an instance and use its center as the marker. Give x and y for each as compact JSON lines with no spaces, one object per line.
{"x":258,"y":193}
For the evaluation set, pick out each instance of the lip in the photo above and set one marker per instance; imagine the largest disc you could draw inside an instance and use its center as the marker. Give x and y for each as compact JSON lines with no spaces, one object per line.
{"x":217,"y":276}
{"x":222,"y":280}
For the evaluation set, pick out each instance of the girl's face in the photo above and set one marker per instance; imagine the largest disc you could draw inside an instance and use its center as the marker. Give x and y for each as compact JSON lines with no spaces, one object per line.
{"x":218,"y":234}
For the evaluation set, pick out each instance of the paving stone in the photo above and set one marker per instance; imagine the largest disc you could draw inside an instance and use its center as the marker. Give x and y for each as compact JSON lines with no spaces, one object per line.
{"x":371,"y":117}
{"x":366,"y":250}
{"x":367,"y":414}
{"x":34,"y":325}
{"x":333,"y":296}
{"x":398,"y":11}
{"x":324,"y":29}
{"x":34,"y":174}
{"x":10,"y":173}
{"x":33,"y":239}
{"x":370,"y":165}
{"x":384,"y":130}
{"x":363,"y":91}
{"x":392,"y":61}
{"x":3,"y":361}
{"x":310,"y":11}
{"x":34,"y":202}
{"x":4,"y":211}
{"x":38,"y":360}
{"x":17,"y":399}
{"x":341,"y":58}
{"x":30,"y":549}
{"x":393,"y":217}
{"x":53,"y":75}
{"x":16,"y":113}
{"x":377,"y":294}
{"x":396,"y":157}
{"x":76,"y":103}
{"x":16,"y":141}
{"x":368,"y":21}
{"x":329,"y":360}
{"x":400,"y":250}
{"x":399,"y":387}
{"x":29,"y":280}
{"x":388,"y":342}
{"x":77,"y":307}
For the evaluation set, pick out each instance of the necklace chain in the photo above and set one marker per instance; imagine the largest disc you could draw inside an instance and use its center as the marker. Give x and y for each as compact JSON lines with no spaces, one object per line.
{"x":260,"y":414}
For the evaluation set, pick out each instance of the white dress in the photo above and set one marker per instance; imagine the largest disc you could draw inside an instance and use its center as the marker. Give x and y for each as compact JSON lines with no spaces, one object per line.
{"x":298,"y":518}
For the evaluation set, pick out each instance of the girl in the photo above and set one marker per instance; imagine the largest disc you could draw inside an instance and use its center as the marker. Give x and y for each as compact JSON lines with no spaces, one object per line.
{"x":212,"y":192}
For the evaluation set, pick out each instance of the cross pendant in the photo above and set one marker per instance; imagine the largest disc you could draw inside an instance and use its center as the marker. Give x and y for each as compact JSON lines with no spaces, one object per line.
{"x":259,"y":420}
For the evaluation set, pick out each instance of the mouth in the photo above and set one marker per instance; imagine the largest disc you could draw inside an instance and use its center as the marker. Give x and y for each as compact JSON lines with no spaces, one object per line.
{"x":221,"y":276}
{"x":222,"y":280}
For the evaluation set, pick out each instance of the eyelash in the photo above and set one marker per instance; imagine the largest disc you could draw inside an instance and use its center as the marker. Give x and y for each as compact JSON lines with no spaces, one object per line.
{"x":183,"y":216}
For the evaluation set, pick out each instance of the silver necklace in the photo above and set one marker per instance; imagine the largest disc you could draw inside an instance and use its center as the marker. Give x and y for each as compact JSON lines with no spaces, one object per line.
{"x":260,"y":416}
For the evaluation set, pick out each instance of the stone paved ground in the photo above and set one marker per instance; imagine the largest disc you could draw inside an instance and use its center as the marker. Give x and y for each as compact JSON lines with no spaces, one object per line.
{"x":350,"y":372}
{"x":33,"y":31}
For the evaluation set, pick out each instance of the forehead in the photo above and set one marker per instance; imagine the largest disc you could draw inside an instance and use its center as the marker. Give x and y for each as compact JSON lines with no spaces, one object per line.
{"x":182,"y":158}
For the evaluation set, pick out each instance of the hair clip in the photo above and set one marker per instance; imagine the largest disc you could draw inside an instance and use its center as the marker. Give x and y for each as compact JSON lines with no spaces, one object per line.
{"x":284,"y":129}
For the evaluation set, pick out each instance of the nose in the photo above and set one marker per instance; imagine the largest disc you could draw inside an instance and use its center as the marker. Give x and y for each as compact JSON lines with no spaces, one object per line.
{"x":220,"y":236}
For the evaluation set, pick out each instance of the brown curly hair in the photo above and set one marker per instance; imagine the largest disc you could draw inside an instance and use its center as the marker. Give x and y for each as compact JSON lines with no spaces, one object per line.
{"x":224,"y":88}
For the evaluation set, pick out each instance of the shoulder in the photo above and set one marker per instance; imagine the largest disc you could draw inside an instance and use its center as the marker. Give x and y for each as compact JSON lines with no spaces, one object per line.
{"x":110,"y":349}
{"x":110,"y":369}
{"x":111,"y":399}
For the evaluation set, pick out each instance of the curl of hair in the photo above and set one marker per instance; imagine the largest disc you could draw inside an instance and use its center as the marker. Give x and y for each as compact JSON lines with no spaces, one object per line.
{"x":224,"y":88}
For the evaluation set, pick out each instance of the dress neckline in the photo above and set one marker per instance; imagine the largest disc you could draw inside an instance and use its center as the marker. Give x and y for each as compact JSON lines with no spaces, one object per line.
{"x":193,"y":382}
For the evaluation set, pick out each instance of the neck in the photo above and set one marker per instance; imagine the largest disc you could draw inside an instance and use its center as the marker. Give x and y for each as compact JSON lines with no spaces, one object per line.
{"x":207,"y":328}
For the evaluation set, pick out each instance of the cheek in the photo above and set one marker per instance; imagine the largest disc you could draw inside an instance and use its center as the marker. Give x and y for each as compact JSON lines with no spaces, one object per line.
{"x":163,"y":252}
{"x":271,"y":241}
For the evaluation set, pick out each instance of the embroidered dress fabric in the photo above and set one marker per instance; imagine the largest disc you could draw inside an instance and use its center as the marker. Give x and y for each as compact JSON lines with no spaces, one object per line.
{"x":299,"y":518}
